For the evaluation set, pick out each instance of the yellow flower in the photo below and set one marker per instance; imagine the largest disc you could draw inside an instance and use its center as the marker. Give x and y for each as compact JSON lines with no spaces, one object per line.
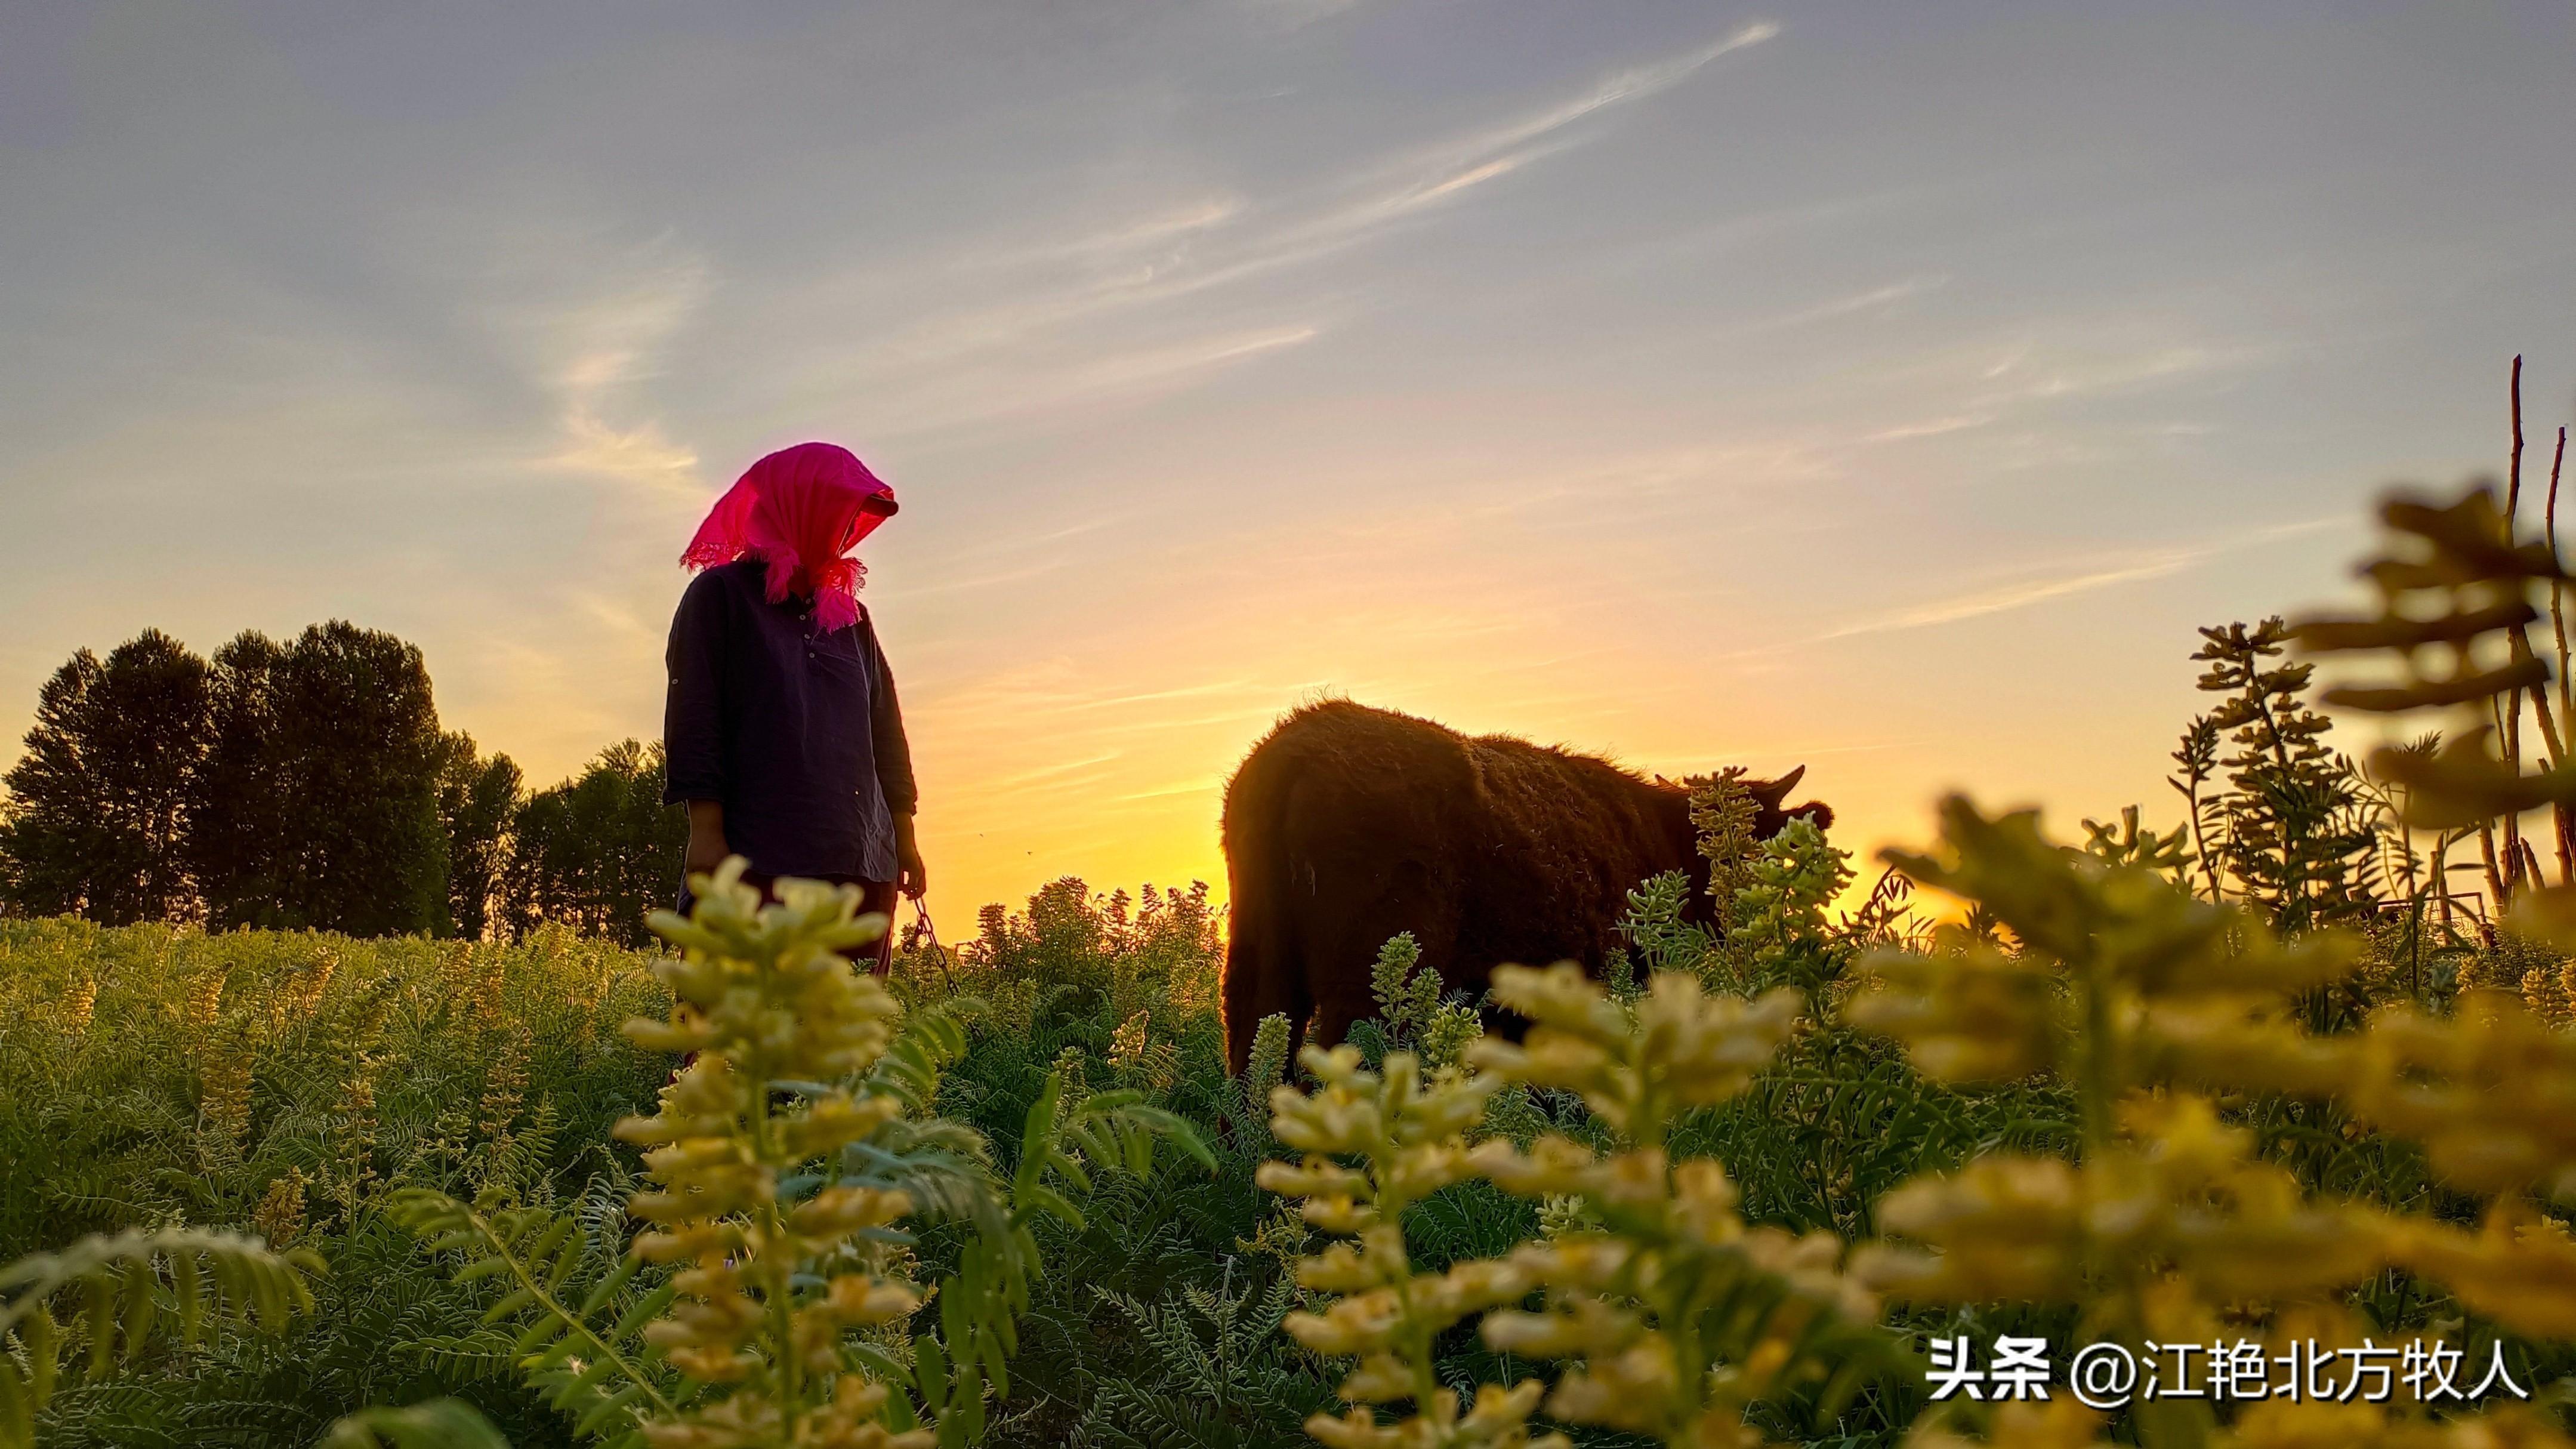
{"x":1683,"y":1048}
{"x":2490,"y":1092}
{"x":1976,"y":1015}
{"x":1402,"y":1133}
{"x":2519,"y":1268}
{"x":2004,"y":1228}
{"x":763,"y":995}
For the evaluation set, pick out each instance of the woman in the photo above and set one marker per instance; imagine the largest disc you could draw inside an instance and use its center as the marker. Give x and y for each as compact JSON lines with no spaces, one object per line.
{"x":783,"y":734}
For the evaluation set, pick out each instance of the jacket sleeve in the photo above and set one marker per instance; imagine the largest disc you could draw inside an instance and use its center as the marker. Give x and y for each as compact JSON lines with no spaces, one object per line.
{"x":693,"y":708}
{"x":885,"y":724}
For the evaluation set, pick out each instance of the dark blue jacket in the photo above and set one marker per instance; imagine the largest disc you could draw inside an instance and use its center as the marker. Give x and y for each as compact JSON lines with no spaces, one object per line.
{"x":797,"y":734}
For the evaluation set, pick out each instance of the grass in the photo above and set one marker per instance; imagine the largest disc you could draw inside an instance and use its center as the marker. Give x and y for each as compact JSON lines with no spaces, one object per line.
{"x":286,"y":1083}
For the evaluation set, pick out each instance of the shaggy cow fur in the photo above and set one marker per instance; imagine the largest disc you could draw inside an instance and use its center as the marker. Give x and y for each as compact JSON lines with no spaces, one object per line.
{"x":1349,"y":824}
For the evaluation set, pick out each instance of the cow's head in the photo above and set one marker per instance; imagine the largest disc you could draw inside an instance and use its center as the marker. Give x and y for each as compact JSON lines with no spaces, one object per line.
{"x":1770,"y":799}
{"x":1772,"y":812}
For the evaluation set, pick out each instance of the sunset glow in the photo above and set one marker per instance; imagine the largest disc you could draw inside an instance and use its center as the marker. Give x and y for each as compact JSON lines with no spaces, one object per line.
{"x":1620,"y":376}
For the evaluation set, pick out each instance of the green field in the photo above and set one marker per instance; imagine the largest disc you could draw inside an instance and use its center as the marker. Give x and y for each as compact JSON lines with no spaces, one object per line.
{"x":286,"y":1082}
{"x":2253,"y":1082}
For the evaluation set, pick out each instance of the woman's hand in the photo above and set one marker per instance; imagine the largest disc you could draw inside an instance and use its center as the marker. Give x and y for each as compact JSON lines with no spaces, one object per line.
{"x":706,"y":837}
{"x":910,"y":877}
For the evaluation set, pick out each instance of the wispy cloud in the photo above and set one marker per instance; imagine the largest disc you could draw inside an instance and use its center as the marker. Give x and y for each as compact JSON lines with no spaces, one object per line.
{"x":638,"y":454}
{"x":2123,"y":372}
{"x":1205,"y":785}
{"x":1478,"y":174}
{"x":1870,"y":300}
{"x":600,"y":347}
{"x":940,"y":584}
{"x":1123,"y":246}
{"x":1155,"y":364}
{"x":1929,"y":428}
{"x":1057,"y":692}
{"x":1630,"y":85}
{"x":1387,"y":192}
{"x":2065,"y":583}
{"x":2006,"y":597}
{"x":1186,"y":691}
{"x":1208,"y":242}
{"x":1624,"y":484}
{"x":949,"y":400}
{"x":1297,"y":14}
{"x":1057,"y":774}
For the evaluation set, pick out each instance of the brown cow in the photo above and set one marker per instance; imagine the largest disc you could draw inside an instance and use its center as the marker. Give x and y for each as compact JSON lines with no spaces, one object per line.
{"x":1348,"y":825}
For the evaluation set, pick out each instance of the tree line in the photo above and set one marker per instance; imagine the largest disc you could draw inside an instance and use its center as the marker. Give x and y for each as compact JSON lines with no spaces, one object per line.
{"x":307,"y":784}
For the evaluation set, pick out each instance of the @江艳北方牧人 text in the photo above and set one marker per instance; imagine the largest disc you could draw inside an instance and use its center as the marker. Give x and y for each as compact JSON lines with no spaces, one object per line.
{"x":2107,"y":1375}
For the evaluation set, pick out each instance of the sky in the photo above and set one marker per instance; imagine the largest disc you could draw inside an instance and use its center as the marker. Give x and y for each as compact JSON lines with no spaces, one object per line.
{"x":1890,"y":389}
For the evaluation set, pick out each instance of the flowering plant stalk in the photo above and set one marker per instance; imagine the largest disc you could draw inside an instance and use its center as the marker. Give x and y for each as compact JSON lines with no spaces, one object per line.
{"x":2168,"y":1226}
{"x":765,"y":1306}
{"x":1674,"y":1315}
{"x":781,"y":1264}
{"x":1376,"y":1144}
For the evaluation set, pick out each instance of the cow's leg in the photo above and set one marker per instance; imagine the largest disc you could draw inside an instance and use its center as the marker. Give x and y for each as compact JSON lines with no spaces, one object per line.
{"x":1376,"y":906}
{"x":1334,"y":1018}
{"x":1263,"y":978}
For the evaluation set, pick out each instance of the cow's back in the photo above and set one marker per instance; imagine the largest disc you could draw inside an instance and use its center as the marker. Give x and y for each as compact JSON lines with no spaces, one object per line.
{"x":1341,"y":828}
{"x":1347,"y":825}
{"x":1337,"y":777}
{"x":1565,"y":837}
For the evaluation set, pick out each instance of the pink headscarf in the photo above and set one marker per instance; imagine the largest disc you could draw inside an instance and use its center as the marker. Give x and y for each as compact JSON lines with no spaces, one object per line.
{"x":800,"y":510}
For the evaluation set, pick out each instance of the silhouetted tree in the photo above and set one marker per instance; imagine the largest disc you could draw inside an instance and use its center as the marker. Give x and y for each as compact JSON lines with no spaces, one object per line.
{"x":98,"y":806}
{"x":237,"y":830}
{"x":2293,"y":830}
{"x":306,"y":784}
{"x":321,"y":801}
{"x":476,"y":800}
{"x":600,"y":850}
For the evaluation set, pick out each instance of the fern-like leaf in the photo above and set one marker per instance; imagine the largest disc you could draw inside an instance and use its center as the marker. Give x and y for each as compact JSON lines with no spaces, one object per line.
{"x":437,"y":1424}
{"x":587,"y":1359}
{"x":932,"y":1039}
{"x":123,"y":1291}
{"x":981,"y":1303}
